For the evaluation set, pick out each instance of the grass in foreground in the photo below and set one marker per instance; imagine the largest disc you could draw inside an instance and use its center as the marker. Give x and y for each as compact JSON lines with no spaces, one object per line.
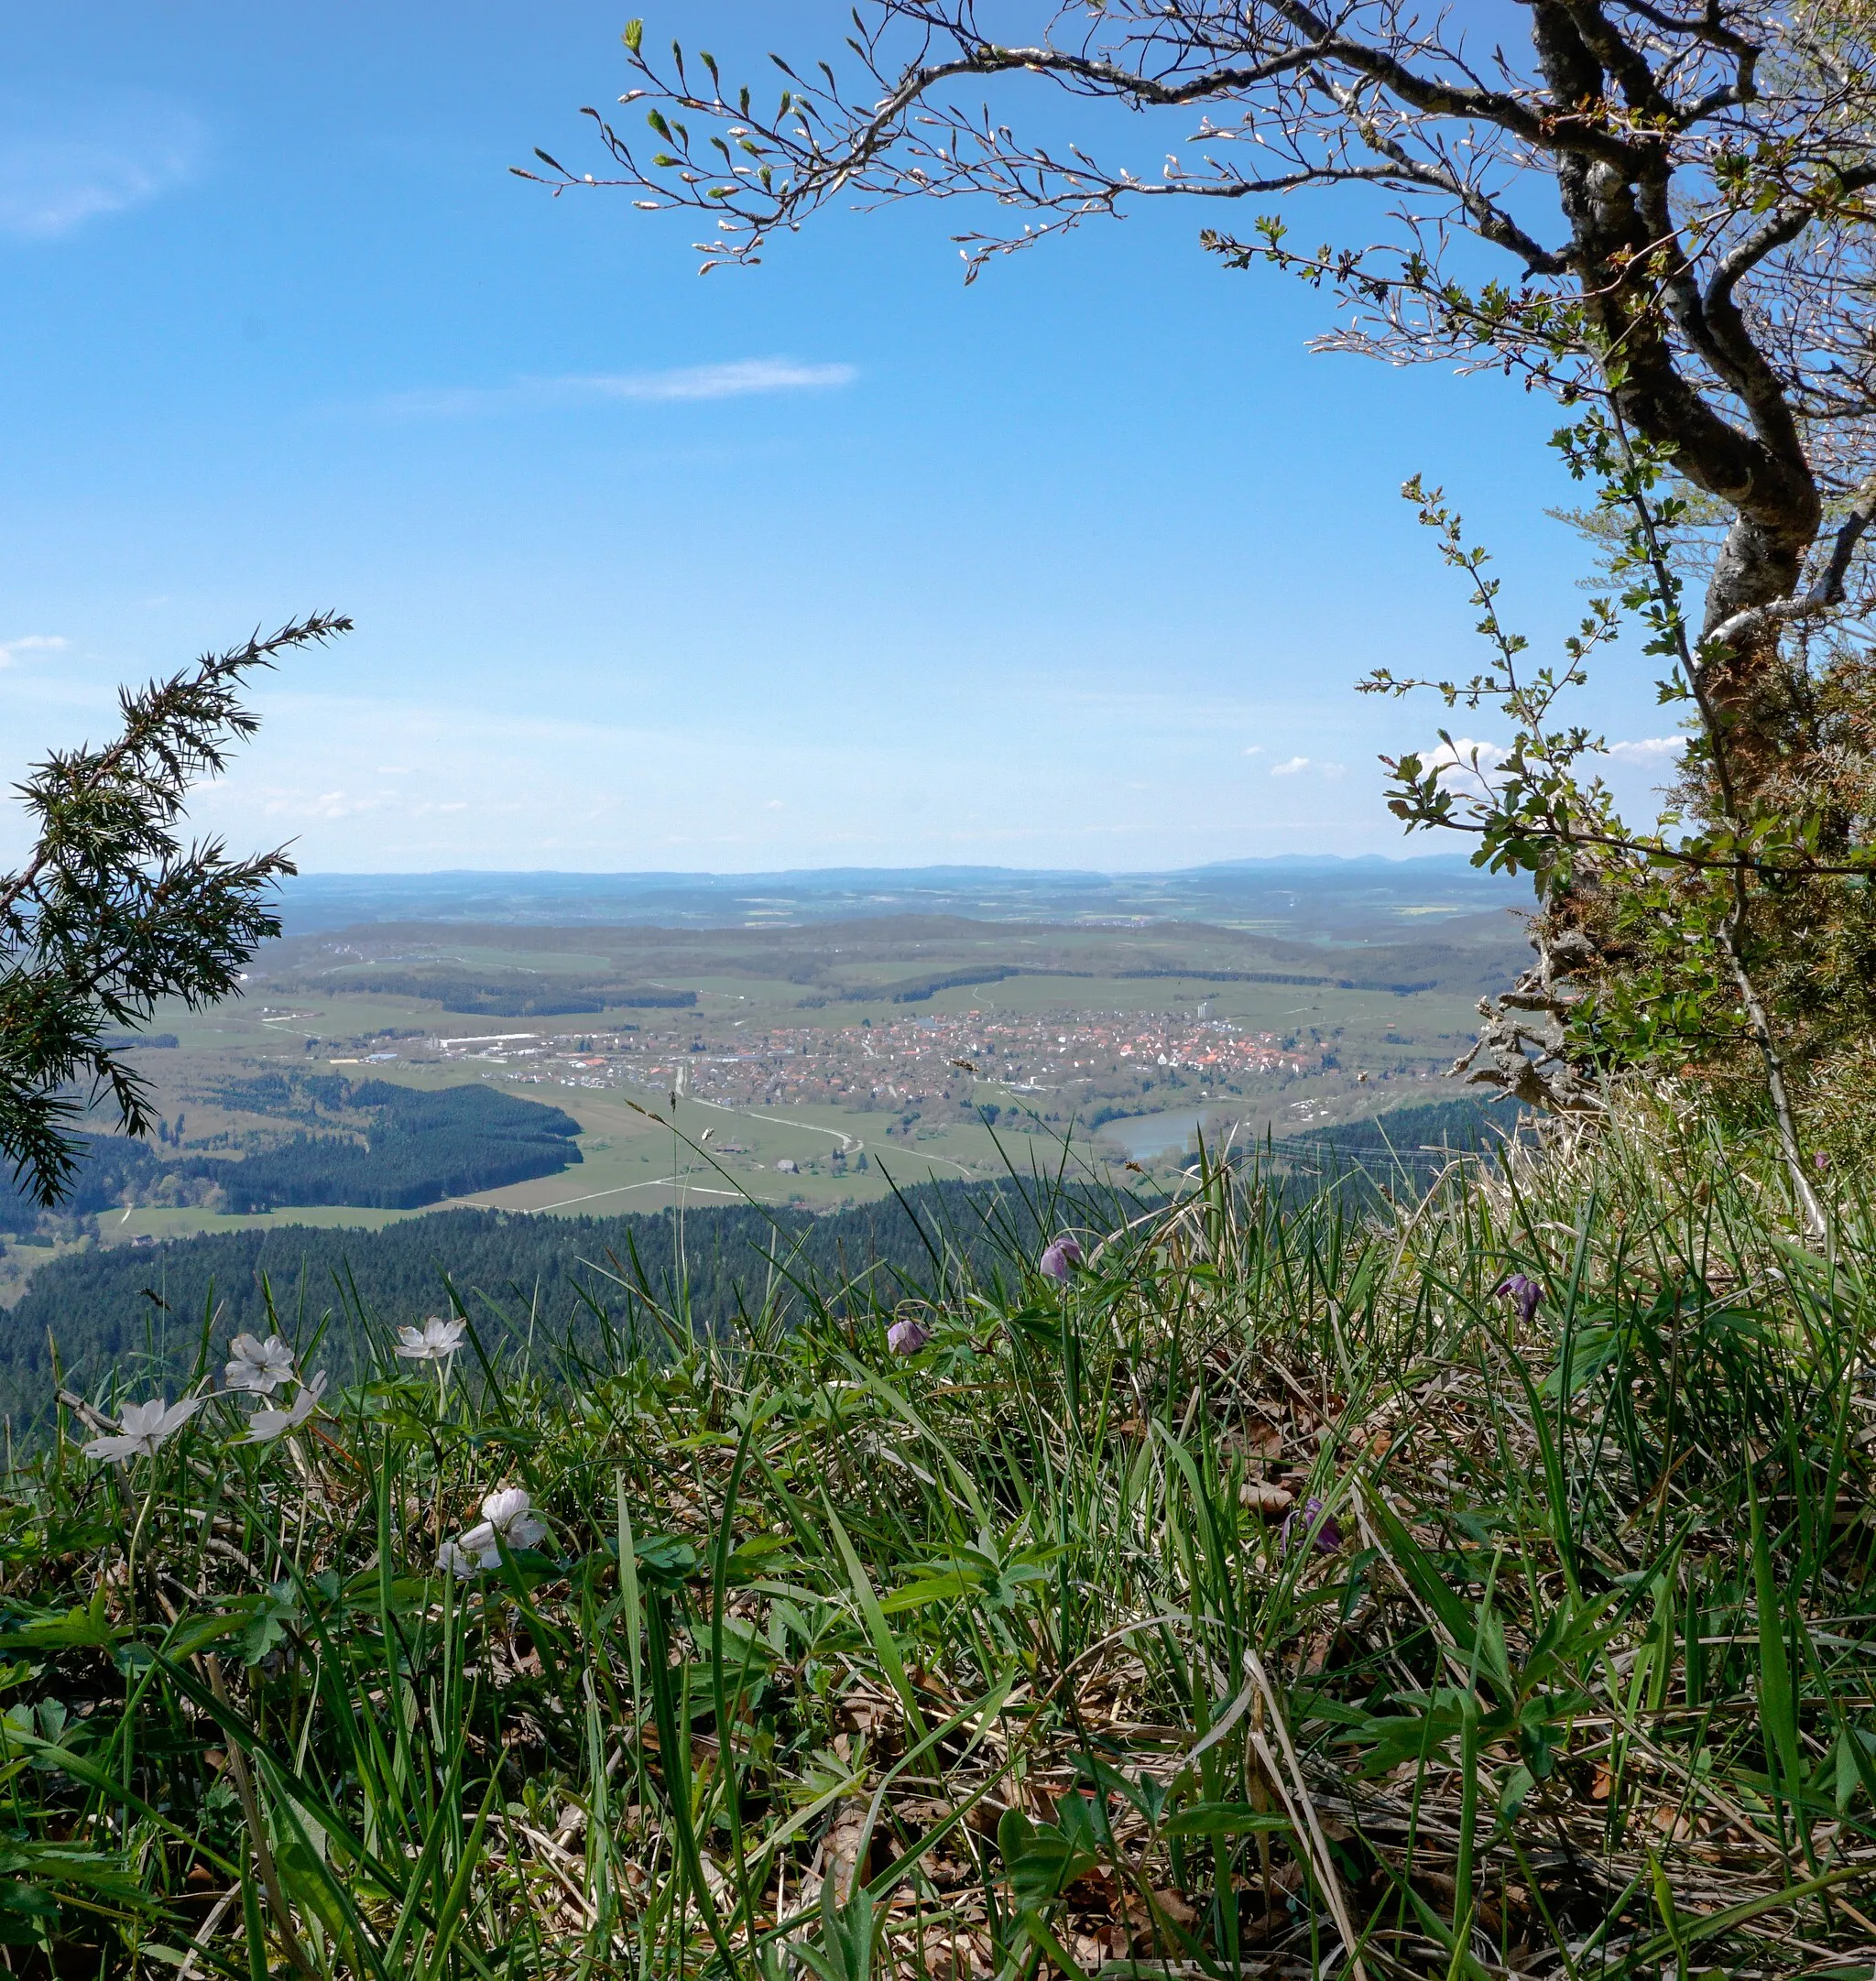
{"x":1276,"y":1597}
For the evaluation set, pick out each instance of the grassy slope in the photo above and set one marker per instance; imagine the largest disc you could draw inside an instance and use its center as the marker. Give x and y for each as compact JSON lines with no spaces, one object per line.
{"x":1004,"y":1654}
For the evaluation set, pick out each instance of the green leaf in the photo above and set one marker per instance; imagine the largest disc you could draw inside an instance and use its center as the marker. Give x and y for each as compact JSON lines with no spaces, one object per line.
{"x":1777,"y":1709}
{"x":191,"y":1636}
{"x":75,"y":1629}
{"x":1222,"y":1819}
{"x":877,"y":1628}
{"x":1038,"y":1858}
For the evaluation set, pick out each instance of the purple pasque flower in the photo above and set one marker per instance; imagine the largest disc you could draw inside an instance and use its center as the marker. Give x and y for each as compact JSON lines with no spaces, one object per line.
{"x":1525,"y":1293}
{"x":1059,"y":1257}
{"x":907,"y":1336}
{"x":1329,"y":1535}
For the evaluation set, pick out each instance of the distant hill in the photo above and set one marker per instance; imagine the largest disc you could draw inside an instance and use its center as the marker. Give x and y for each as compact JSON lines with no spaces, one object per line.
{"x":1310,"y":895}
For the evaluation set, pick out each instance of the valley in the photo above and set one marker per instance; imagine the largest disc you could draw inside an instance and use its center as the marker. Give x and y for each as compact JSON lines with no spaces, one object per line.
{"x":814,"y":1062}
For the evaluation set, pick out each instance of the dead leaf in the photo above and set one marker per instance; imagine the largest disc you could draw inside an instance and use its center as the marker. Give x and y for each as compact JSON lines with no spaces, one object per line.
{"x":840,"y":1847}
{"x":1174,"y":1906}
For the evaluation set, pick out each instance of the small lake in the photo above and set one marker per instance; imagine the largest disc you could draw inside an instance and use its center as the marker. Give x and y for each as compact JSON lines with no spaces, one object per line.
{"x":1153,"y":1135}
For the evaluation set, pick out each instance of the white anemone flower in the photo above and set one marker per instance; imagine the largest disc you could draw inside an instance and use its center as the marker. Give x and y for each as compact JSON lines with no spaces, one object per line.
{"x":264,"y":1426}
{"x":454,"y":1560}
{"x":506,"y":1516}
{"x":261,"y":1366}
{"x":435,"y":1341}
{"x":143,"y":1428}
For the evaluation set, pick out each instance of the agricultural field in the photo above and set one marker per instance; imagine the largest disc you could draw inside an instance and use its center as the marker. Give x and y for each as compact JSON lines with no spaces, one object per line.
{"x":816,"y":1063}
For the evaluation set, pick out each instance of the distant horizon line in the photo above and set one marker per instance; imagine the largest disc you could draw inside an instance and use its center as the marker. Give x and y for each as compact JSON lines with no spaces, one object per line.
{"x":1453,"y":861}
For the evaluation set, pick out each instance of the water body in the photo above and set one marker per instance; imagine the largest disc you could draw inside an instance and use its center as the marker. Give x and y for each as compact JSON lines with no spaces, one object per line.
{"x":1153,"y":1135}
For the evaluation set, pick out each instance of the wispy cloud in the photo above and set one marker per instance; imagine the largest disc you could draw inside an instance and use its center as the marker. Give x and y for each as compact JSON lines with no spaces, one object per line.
{"x":63,"y":164}
{"x":1648,"y":749}
{"x":342,"y":804}
{"x":34,"y":643}
{"x":1464,"y":756}
{"x":742,"y":378}
{"x":1295,"y":766}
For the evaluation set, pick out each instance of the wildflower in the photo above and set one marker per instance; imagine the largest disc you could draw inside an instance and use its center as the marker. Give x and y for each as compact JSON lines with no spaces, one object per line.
{"x":506,"y":1516}
{"x":1329,"y":1535}
{"x":142,"y":1428}
{"x":908,"y":1336}
{"x":435,"y":1341}
{"x":264,"y":1426}
{"x":453,"y":1560}
{"x":1059,"y":1259}
{"x":260,"y":1367}
{"x":1525,"y":1293}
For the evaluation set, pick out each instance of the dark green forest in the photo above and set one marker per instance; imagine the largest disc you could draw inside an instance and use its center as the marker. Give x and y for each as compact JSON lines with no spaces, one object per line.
{"x":558,"y":1277}
{"x":512,"y":1274}
{"x":1415,"y":1139}
{"x":508,"y":997}
{"x":113,"y":1170}
{"x":373,"y":1144}
{"x":419,"y":1147}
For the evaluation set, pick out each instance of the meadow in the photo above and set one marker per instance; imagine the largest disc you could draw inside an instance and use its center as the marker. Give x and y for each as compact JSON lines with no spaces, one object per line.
{"x":1473,"y":1586}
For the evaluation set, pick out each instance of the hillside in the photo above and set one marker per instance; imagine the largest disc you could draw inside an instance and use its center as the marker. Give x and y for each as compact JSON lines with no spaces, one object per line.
{"x":514,"y":1277}
{"x":717,"y":1264}
{"x":1478,"y":1583}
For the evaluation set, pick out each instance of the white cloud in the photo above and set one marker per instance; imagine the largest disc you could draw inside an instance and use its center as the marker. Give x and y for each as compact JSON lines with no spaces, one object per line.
{"x":713,"y":381}
{"x":1296,"y":766}
{"x":1464,"y":756}
{"x":739,"y":378}
{"x":1256,"y":749}
{"x":34,"y":643}
{"x":64,"y":164}
{"x":1648,"y":749}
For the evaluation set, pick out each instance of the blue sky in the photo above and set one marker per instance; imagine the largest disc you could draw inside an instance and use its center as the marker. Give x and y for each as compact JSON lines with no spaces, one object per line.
{"x":832,"y":562}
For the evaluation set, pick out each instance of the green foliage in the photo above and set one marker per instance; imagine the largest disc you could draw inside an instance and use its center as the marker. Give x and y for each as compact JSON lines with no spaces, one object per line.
{"x":418,"y":1147}
{"x":799,"y":1653}
{"x":1731,"y":939}
{"x":383,"y":1145}
{"x":112,"y":912}
{"x":585,"y":1280}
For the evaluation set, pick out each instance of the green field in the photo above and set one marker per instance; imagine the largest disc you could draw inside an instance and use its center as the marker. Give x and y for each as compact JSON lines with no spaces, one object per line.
{"x":822,"y":1064}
